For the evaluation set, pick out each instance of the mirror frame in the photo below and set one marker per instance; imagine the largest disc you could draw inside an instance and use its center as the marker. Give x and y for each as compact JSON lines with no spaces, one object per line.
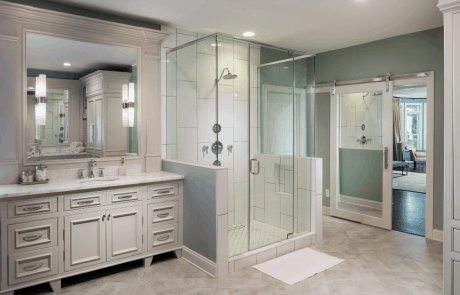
{"x":77,"y":128}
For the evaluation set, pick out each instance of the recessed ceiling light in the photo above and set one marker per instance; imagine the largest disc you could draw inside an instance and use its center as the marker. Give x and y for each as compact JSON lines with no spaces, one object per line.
{"x":249,"y":34}
{"x":286,"y":67}
{"x":31,"y":87}
{"x":67,"y":64}
{"x":213,"y":44}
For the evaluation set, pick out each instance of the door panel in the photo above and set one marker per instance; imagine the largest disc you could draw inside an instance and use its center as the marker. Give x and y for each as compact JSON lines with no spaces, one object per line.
{"x":124,"y":232}
{"x":85,"y":242}
{"x":361,"y":153}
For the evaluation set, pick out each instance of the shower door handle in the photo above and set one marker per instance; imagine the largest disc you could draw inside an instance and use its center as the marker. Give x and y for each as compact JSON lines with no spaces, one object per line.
{"x":254,"y":162}
{"x":386,"y":158}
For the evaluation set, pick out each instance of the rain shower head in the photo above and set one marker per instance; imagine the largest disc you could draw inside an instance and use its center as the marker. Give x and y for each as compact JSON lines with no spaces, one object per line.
{"x":229,"y":76}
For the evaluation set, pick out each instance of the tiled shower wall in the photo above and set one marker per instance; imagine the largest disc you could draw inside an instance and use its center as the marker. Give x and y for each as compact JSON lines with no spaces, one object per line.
{"x":285,"y":187}
{"x":358,"y":110}
{"x":189,"y":109}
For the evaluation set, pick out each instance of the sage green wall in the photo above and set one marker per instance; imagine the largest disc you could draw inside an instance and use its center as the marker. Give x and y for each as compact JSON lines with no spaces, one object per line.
{"x":411,"y":53}
{"x":360,"y":180}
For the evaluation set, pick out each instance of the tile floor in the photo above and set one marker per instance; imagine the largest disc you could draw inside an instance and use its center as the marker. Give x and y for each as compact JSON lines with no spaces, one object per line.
{"x":377,"y":261}
{"x":262,"y":234}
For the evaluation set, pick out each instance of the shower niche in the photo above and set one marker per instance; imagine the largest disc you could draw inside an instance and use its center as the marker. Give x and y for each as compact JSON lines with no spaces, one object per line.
{"x":249,"y":107}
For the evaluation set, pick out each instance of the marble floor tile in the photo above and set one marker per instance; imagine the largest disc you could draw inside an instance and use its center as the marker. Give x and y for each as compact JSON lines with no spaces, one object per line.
{"x":424,"y":246}
{"x":364,"y":232}
{"x":429,"y":263}
{"x":391,"y":262}
{"x":336,"y":245}
{"x":353,"y":282}
{"x":409,"y":283}
{"x":370,"y":246}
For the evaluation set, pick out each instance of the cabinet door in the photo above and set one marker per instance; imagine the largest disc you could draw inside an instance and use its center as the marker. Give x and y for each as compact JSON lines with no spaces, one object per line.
{"x":116,"y":136}
{"x":90,"y":124}
{"x":98,"y":119}
{"x":124,"y":232}
{"x":85,"y":242}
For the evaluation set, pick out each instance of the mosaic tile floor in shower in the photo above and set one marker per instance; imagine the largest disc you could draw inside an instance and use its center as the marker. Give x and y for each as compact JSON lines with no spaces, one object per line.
{"x":262,"y":234}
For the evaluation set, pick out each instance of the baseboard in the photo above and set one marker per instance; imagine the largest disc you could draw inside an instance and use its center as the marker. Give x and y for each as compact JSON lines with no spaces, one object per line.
{"x":326,"y":211}
{"x":438,"y":235}
{"x":199,"y":261}
{"x":361,"y":202}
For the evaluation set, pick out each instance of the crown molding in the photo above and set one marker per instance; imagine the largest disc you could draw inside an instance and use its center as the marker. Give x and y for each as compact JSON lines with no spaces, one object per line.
{"x":448,"y":7}
{"x":8,"y":162}
{"x":9,"y":38}
{"x":37,"y":16}
{"x":154,"y":57}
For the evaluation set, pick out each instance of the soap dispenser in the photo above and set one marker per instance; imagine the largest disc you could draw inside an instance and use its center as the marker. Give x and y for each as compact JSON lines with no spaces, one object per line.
{"x":122,"y":168}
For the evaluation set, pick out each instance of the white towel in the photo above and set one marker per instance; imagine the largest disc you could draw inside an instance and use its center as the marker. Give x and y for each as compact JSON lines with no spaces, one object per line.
{"x":76,"y":144}
{"x":78,"y":150}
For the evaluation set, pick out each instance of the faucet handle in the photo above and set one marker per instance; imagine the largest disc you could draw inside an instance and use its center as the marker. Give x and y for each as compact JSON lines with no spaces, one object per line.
{"x":80,"y":173}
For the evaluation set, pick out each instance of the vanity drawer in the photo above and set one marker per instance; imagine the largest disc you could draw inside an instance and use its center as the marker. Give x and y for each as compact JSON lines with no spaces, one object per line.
{"x":123,"y":195}
{"x":163,"y":237}
{"x":163,"y":190}
{"x":32,"y":265}
{"x":32,"y":207}
{"x":161,"y":213}
{"x":85,"y":200}
{"x":33,"y":235}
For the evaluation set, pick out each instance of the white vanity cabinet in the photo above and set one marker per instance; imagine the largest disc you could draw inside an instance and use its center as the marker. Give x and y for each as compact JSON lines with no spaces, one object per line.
{"x":106,"y":135}
{"x":52,"y":236}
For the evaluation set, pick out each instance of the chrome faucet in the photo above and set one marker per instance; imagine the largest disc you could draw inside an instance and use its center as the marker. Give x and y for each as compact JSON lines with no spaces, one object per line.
{"x":92,"y":163}
{"x":80,"y":174}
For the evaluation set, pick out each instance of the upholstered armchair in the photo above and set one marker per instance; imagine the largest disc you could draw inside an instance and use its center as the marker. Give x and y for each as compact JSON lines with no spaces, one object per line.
{"x":415,"y":154}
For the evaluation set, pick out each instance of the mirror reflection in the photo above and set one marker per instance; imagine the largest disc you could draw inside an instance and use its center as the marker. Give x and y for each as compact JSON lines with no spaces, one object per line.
{"x":81,"y":99}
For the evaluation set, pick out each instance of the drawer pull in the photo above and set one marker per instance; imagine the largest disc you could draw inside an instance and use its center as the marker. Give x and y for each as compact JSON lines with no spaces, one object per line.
{"x":164,"y":192}
{"x":163,"y":238}
{"x":33,"y":208}
{"x":33,"y":267}
{"x":163,"y":215}
{"x":85,"y":202}
{"x":32,"y":238}
{"x":125,"y":197}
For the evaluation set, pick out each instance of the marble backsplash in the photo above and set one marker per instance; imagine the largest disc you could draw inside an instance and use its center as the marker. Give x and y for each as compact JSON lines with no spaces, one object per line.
{"x":61,"y":174}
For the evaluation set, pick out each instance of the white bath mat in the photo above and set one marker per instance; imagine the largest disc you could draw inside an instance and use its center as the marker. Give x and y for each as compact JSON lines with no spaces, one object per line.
{"x":298,"y":266}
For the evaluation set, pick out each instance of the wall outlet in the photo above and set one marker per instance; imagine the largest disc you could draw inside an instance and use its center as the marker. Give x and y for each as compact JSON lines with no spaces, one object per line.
{"x":327,"y":193}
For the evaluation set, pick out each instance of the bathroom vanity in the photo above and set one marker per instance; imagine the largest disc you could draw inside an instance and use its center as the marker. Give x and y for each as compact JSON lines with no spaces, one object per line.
{"x":69,"y":227}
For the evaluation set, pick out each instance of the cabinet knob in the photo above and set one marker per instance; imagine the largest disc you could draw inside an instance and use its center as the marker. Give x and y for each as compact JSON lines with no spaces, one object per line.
{"x":103,"y":216}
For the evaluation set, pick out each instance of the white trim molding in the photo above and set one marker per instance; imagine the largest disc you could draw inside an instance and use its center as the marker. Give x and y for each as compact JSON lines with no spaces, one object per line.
{"x":39,"y":16}
{"x":152,"y":57}
{"x":9,"y":38}
{"x":448,"y":7}
{"x":360,"y":202}
{"x":199,"y":261}
{"x":438,"y":235}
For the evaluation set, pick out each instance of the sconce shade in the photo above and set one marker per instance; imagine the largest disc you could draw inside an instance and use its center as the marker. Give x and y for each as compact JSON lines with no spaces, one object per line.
{"x":40,"y":86}
{"x":128,"y":105}
{"x":40,"y":100}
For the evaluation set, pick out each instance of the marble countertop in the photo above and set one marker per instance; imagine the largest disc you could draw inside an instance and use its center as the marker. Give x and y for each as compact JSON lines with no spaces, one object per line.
{"x":74,"y":185}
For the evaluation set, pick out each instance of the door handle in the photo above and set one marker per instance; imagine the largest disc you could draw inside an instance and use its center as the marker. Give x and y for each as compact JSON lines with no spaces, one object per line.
{"x":253,"y":165}
{"x":386,"y":158}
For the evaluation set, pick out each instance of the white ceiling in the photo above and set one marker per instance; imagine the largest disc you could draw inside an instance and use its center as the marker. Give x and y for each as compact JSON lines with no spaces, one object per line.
{"x":307,"y":25}
{"x":411,"y":91}
{"x":50,"y":53}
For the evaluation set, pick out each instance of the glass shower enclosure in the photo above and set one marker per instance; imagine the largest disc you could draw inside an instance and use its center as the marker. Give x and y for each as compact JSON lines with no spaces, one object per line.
{"x":249,"y":107}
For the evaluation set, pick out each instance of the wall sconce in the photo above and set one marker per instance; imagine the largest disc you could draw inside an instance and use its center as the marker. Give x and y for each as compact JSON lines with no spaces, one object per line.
{"x":62,"y":115}
{"x":40,"y":100}
{"x":128,"y":105}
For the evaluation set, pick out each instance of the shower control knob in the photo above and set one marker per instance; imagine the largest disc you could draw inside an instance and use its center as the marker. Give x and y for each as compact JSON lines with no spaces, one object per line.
{"x":217,"y":147}
{"x":229,"y":148}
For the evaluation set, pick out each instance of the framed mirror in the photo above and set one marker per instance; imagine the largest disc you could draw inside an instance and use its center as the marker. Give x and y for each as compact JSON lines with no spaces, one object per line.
{"x":82,"y":100}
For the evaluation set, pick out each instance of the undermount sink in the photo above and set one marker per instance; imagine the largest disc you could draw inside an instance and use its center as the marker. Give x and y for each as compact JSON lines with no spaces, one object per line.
{"x":113,"y":178}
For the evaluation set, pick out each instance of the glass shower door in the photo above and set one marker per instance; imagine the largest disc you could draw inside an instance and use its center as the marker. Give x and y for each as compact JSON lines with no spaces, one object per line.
{"x":361,"y":153}
{"x":271,"y":136}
